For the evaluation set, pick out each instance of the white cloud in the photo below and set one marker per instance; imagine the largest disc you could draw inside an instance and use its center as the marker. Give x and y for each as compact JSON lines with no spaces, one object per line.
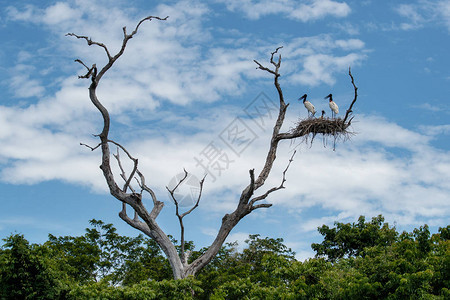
{"x":240,"y":238}
{"x":429,"y":107}
{"x":320,"y":68}
{"x":423,"y":12}
{"x":351,"y":44}
{"x":58,"y":13}
{"x":319,"y":9}
{"x":21,"y":83}
{"x":315,"y":60}
{"x":312,"y":224}
{"x":26,"y":14}
{"x":444,"y":11}
{"x":347,"y":27}
{"x":303,"y":11}
{"x":410,"y":11}
{"x":436,"y":130}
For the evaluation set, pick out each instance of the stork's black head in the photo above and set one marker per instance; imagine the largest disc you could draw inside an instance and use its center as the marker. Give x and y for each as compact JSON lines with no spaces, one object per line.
{"x":323,"y":113}
{"x":329,"y":96}
{"x":303,"y":97}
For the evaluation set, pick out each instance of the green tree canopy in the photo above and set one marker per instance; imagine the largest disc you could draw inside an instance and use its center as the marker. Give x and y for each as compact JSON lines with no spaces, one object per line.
{"x":374,"y":262}
{"x":350,"y":239}
{"x":24,"y":274}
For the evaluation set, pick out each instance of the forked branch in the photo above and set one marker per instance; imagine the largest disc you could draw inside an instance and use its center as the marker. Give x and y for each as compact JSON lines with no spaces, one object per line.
{"x":349,"y":110}
{"x":182,"y":215}
{"x":111,"y":59}
{"x":123,"y":173}
{"x":281,"y":186}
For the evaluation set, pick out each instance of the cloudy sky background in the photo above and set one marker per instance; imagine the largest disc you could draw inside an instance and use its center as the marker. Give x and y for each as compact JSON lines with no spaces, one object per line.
{"x":182,"y":82}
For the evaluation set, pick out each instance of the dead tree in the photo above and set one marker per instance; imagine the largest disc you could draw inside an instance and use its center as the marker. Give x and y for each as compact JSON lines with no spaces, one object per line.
{"x":145,"y":220}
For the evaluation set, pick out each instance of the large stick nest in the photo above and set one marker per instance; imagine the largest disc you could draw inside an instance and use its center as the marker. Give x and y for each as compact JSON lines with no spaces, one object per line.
{"x":325,"y":126}
{"x":310,"y":127}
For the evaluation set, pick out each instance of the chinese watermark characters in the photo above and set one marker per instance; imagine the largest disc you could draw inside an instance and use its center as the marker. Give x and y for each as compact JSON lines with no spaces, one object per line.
{"x":215,"y":159}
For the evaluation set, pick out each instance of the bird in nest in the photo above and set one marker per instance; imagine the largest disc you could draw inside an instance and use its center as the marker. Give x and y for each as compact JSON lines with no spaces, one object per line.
{"x":334,"y":107}
{"x":308,"y":105}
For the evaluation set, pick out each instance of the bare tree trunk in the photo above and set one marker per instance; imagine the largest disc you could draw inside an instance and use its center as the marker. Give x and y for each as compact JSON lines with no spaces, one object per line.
{"x":146,"y":221}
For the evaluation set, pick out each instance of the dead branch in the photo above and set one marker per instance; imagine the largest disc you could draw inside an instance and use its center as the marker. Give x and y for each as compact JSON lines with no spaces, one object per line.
{"x":172,"y":191}
{"x":349,"y":110}
{"x":144,"y":187}
{"x":122,"y":172}
{"x":184,"y":257}
{"x":276,"y":64}
{"x":281,"y":186}
{"x":198,"y":198}
{"x":135,"y":165}
{"x":271,"y":155}
{"x":111,"y":59}
{"x":92,"y":148}
{"x":149,"y":18}
{"x":90,"y":42}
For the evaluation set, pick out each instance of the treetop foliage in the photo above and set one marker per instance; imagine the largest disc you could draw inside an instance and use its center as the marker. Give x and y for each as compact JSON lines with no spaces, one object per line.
{"x":346,"y":240}
{"x":361,"y":260}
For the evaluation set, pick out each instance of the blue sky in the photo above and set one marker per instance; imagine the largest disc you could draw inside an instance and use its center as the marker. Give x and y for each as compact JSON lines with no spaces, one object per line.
{"x":183,"y":83}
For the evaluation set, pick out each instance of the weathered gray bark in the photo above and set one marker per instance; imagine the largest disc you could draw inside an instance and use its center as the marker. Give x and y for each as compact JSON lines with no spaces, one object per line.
{"x":146,"y":221}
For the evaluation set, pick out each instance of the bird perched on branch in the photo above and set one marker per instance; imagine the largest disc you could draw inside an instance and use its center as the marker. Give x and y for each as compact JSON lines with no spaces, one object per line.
{"x":334,"y":107}
{"x":308,"y":105}
{"x":323,"y":114}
